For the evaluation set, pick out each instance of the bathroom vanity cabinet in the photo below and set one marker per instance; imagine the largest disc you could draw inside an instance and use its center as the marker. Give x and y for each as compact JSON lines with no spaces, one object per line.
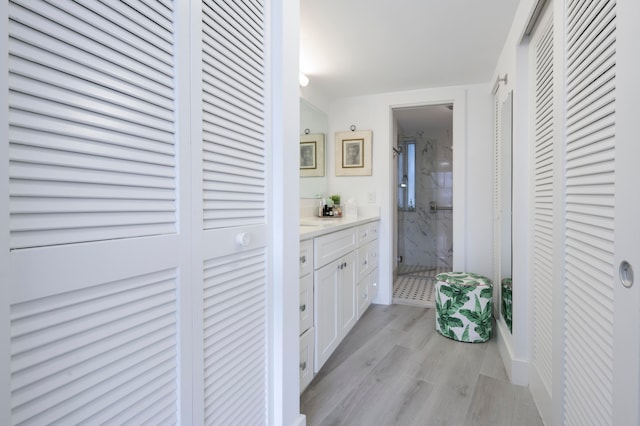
{"x":344,"y":282}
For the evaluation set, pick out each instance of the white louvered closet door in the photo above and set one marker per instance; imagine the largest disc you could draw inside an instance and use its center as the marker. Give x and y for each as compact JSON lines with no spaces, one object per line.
{"x":97,"y":254}
{"x":544,"y":191}
{"x":230,"y":178}
{"x":601,"y":331}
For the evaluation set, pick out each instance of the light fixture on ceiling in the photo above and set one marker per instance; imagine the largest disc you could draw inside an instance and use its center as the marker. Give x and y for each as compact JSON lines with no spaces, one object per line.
{"x":304,"y":80}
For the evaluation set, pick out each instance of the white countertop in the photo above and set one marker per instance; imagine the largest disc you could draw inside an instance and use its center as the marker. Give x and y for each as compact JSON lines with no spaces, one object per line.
{"x":313,"y":226}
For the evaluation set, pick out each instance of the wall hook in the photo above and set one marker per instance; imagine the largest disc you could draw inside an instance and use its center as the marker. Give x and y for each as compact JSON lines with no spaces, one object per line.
{"x":498,"y":81}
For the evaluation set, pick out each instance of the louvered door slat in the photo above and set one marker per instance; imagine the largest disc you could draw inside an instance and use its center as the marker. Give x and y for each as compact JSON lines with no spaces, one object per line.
{"x":62,"y":158}
{"x":586,"y":32}
{"x":57,"y":83}
{"x":589,"y":207}
{"x":64,"y":109}
{"x":105,"y":350}
{"x":235,"y":333}
{"x":91,"y":122}
{"x":239,"y":27}
{"x":40,"y":96}
{"x":73,"y":136}
{"x":233,"y":115}
{"x":149,"y":25}
{"x":236,"y":108}
{"x":54,"y":54}
{"x":118,"y":53}
{"x":135,"y":36}
{"x":244,"y":133}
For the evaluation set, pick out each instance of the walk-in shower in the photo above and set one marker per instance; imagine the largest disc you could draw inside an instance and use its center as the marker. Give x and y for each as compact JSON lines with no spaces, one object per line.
{"x":424,"y":189}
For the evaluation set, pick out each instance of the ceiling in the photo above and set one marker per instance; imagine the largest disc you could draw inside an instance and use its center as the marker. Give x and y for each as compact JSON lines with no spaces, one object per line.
{"x":359,"y":47}
{"x":416,"y":119}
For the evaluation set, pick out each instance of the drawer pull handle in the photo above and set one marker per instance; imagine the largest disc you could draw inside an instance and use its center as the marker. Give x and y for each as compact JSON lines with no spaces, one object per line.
{"x":303,"y":366}
{"x":303,"y":308}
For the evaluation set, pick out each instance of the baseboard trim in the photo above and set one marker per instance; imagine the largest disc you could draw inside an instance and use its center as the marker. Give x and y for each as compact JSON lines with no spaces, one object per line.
{"x":541,"y":396}
{"x":300,"y":421}
{"x":517,"y":369}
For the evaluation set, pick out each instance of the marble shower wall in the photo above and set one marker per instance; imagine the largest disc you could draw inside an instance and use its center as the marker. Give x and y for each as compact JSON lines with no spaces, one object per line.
{"x":425,"y":238}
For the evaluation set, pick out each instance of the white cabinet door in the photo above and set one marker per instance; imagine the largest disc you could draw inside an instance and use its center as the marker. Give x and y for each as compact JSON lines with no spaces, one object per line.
{"x":362,"y":295}
{"x":326,"y":282}
{"x":348,"y":314}
{"x":306,"y":358}
{"x":335,"y":297}
{"x":373,"y":284}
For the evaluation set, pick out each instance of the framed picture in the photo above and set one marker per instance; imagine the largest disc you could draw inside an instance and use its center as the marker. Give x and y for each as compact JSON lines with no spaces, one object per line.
{"x":353,"y":153}
{"x":312,"y":155}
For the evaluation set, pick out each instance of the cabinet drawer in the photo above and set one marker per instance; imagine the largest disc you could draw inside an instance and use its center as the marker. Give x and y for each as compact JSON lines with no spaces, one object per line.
{"x":306,"y":257}
{"x":330,"y":247}
{"x":306,"y":303}
{"x":364,"y":299}
{"x":364,"y":234}
{"x":367,"y":232}
{"x":373,"y":230}
{"x":367,"y":259}
{"x":306,"y":358}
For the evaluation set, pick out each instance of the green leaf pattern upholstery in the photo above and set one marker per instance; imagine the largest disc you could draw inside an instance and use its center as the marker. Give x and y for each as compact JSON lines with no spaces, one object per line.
{"x":463,"y":306}
{"x":507,"y":302}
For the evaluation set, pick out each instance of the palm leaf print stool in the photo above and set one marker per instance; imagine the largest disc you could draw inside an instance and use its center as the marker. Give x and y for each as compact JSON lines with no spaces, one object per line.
{"x":507,"y":301}
{"x":463,"y":306}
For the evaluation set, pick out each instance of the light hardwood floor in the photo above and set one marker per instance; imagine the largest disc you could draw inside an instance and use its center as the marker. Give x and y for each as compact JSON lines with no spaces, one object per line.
{"x":394,"y":369}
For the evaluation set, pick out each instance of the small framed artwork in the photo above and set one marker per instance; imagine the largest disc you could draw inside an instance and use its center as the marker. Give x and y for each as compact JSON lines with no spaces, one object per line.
{"x":312,"y":155}
{"x":353,"y":153}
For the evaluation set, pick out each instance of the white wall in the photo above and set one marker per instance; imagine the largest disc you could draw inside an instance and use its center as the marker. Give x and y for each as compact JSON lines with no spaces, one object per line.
{"x":472,"y":139}
{"x":479,"y":200}
{"x":284,"y":397}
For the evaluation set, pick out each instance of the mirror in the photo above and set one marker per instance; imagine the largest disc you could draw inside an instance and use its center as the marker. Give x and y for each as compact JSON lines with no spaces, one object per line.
{"x":313,"y":127}
{"x":506,"y":141}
